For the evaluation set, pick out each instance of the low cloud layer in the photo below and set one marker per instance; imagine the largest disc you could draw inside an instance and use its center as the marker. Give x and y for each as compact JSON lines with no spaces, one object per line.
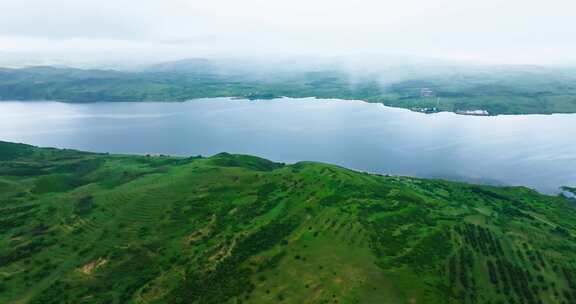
{"x":494,"y":31}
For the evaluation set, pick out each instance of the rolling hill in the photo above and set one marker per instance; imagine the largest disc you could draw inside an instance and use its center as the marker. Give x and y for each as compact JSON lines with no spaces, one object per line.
{"x":80,"y":227}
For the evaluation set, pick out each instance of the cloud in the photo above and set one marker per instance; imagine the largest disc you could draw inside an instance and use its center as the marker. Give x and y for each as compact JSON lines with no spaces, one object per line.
{"x":515,"y":31}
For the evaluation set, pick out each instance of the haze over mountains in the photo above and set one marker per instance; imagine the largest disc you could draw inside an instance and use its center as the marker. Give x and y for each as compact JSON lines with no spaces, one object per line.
{"x":420,"y":84}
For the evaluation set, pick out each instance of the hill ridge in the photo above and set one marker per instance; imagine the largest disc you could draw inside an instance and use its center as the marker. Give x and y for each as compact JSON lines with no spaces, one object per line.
{"x":81,"y":227}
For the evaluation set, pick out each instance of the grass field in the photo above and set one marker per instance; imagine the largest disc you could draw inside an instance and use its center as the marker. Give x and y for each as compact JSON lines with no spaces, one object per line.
{"x":79,"y":227}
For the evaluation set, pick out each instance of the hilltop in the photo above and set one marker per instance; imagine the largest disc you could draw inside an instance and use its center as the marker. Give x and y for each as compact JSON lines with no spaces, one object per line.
{"x":82,"y":227}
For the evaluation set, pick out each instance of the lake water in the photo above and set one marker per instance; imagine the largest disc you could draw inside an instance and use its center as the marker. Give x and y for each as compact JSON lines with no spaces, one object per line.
{"x":538,"y":151}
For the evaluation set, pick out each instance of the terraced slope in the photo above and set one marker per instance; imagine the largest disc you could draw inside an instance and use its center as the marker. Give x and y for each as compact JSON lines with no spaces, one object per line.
{"x":93,"y":228}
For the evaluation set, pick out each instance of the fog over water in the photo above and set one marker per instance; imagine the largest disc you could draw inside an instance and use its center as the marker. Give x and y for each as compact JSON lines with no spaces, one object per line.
{"x":532,"y":150}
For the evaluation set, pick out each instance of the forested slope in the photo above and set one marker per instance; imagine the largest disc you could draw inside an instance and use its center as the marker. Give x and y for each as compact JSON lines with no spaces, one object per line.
{"x":79,"y":227}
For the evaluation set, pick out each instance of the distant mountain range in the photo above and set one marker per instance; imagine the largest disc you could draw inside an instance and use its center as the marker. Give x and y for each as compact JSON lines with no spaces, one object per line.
{"x":455,"y":88}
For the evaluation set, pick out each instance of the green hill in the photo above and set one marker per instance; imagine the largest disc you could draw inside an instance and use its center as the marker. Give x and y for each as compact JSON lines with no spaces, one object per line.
{"x":498,"y":90}
{"x":79,"y":227}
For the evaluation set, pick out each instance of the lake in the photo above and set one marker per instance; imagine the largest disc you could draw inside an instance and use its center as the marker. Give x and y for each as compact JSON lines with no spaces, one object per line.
{"x":538,"y":151}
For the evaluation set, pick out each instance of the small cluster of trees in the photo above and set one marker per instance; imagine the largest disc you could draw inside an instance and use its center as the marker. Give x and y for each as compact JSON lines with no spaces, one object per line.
{"x":25,"y":251}
{"x":11,"y":218}
{"x":481,"y":239}
{"x":229,"y":278}
{"x":518,"y":283}
{"x":461,"y":270}
{"x":536,"y":259}
{"x":15,"y":210}
{"x":510,"y":278}
{"x":570,"y":276}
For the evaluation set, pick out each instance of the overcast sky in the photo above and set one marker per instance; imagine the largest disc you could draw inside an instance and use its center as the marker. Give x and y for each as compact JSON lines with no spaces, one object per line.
{"x":492,"y":31}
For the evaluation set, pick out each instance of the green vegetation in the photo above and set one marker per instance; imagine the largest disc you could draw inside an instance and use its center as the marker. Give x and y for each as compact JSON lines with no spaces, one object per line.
{"x":513,"y":90}
{"x":80,"y":227}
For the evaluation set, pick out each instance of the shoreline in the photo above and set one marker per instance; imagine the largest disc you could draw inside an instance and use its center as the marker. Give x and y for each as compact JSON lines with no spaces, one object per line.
{"x":425,"y":111}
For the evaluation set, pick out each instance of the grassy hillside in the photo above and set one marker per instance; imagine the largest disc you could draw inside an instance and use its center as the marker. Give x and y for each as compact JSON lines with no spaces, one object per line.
{"x":79,"y":227}
{"x":496,"y":90}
